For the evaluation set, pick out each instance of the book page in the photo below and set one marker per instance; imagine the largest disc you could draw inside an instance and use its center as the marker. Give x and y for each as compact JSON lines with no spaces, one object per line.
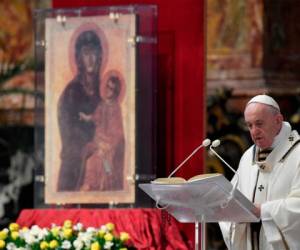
{"x":170,"y":180}
{"x":203,"y":176}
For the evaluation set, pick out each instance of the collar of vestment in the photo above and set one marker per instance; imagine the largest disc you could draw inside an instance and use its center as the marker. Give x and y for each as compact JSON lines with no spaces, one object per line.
{"x":281,"y":144}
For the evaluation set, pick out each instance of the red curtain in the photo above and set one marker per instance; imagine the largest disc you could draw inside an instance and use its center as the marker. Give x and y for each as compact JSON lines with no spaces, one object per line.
{"x":181,"y":91}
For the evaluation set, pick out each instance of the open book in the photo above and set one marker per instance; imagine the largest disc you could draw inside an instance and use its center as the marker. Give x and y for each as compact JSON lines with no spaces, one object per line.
{"x":180,"y":180}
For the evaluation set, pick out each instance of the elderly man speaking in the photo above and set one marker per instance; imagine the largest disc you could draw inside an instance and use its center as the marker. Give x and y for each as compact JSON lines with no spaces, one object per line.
{"x":269,"y":176}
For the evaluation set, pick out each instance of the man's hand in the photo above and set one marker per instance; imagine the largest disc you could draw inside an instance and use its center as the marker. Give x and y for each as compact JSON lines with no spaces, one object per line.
{"x":257,"y":210}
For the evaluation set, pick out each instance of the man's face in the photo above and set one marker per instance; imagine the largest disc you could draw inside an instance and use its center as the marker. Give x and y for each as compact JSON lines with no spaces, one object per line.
{"x":262,"y":123}
{"x":89,"y":58}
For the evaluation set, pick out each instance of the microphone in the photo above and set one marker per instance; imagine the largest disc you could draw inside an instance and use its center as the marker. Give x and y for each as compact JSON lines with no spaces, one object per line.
{"x":205,"y":143}
{"x":215,"y":144}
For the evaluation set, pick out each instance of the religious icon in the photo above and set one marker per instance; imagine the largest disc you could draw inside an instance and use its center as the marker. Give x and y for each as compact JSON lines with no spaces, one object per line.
{"x":90,"y":110}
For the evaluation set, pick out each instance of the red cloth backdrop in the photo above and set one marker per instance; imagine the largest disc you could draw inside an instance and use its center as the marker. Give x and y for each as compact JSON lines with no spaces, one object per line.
{"x":149,"y":229}
{"x":180,"y":79}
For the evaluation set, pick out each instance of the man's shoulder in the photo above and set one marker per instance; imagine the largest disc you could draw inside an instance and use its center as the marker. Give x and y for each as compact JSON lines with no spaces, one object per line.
{"x":248,"y":156}
{"x":291,"y":147}
{"x":295,"y":135}
{"x":249,"y":151}
{"x":293,"y":140}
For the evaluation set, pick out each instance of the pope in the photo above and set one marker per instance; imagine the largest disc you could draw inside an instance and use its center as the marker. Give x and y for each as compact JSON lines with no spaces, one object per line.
{"x":269,"y":176}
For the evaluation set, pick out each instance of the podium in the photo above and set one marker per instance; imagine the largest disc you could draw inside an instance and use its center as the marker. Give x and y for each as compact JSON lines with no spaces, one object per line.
{"x":204,"y":198}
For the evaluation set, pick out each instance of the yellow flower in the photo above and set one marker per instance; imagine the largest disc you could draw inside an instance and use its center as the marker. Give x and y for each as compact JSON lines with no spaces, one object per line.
{"x":95,"y":246}
{"x":14,"y":235}
{"x":55,"y":231}
{"x":68,"y":224}
{"x":110,"y":226}
{"x":108,"y":237}
{"x":14,"y":227}
{"x":2,"y":244}
{"x":123,"y":248}
{"x":53,"y":244}
{"x":44,"y":245}
{"x":101,"y":233}
{"x":3,"y":235}
{"x":67,"y":232}
{"x":124,"y":236}
{"x":25,"y":229}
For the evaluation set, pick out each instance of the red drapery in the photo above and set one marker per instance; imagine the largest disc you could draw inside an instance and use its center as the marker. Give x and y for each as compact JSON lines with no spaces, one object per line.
{"x":149,"y":229}
{"x":180,"y":80}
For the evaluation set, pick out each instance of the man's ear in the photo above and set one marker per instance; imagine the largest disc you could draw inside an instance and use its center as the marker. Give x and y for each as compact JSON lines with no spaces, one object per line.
{"x":279,"y":118}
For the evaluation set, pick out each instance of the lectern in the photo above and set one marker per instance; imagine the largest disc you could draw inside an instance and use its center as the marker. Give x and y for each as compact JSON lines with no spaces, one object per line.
{"x":204,"y":198}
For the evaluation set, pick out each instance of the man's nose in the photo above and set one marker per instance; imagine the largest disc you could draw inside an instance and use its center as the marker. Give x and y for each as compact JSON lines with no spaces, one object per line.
{"x":255,"y":130}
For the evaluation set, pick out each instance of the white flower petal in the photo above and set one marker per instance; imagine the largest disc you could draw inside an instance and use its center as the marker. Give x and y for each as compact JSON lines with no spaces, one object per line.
{"x":108,"y":245}
{"x":66,"y":244}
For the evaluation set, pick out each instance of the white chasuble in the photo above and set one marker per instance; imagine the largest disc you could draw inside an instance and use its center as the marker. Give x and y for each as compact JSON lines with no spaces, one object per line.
{"x":276,"y":187}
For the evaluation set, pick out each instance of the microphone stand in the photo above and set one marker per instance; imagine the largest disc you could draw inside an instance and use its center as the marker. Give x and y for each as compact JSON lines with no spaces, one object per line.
{"x":215,"y":144}
{"x":205,"y":143}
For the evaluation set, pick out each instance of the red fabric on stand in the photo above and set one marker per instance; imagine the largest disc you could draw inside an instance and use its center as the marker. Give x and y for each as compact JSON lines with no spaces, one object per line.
{"x":148,"y":228}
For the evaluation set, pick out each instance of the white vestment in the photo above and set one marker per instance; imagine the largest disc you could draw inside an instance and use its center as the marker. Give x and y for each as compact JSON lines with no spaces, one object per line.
{"x":279,"y":198}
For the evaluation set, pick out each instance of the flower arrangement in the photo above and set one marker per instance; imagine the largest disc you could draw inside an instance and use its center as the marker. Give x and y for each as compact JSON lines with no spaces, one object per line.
{"x":68,"y":236}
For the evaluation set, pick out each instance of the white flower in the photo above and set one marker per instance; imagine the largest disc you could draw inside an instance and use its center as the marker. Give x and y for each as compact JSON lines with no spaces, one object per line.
{"x":33,"y":235}
{"x":78,"y":244}
{"x":35,"y":230}
{"x":29,"y":238}
{"x":104,"y":228}
{"x":66,"y":244}
{"x":11,"y":246}
{"x":91,"y":230}
{"x":86,"y":237}
{"x":108,"y":245}
{"x":78,"y":227}
{"x":43,"y":233}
